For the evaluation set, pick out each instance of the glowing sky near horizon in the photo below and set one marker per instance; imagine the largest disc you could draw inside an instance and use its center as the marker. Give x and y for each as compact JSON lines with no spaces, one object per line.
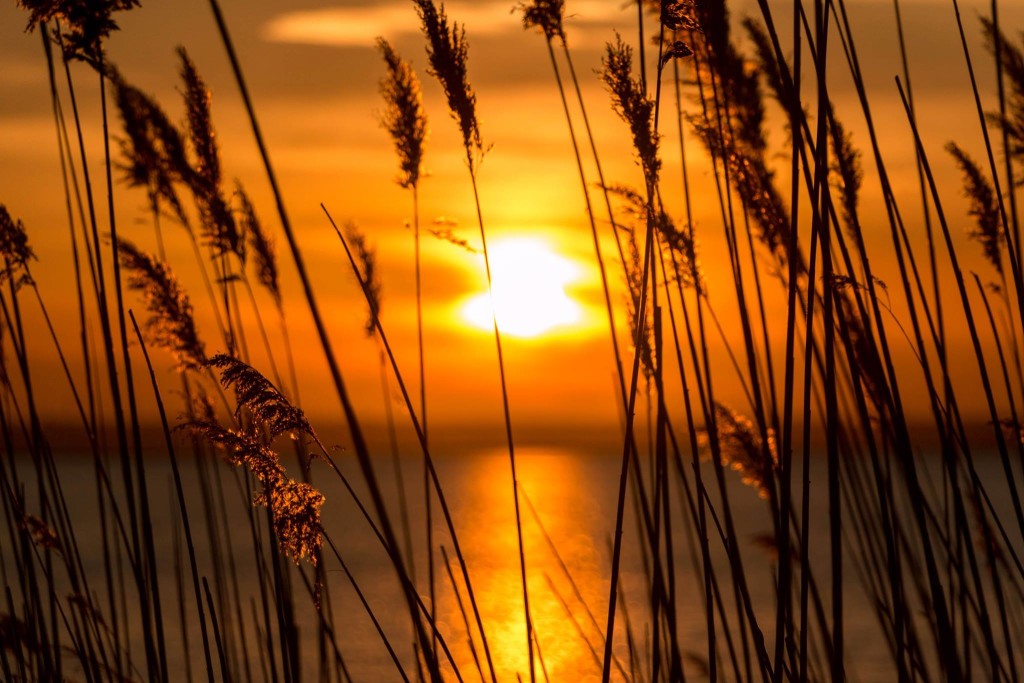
{"x":314,"y":78}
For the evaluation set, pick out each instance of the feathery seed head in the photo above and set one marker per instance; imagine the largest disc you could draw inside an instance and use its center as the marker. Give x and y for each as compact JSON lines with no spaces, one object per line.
{"x":366,"y":259}
{"x":988,"y":228}
{"x":1012,"y":66}
{"x":153,"y":149}
{"x":171,"y":323}
{"x":442,"y":230}
{"x":736,"y":133}
{"x":546,"y":15}
{"x":766,"y":59}
{"x":631,"y":103}
{"x":743,"y":450}
{"x":448,"y":51}
{"x":240,"y":449}
{"x":403,"y":115}
{"x":636,"y":208}
{"x":677,"y":50}
{"x":14,"y":249}
{"x":85,"y":23}
{"x":678,"y":15}
{"x":268,"y":406}
{"x":296,"y":506}
{"x":261,"y":243}
{"x":681,"y":242}
{"x":218,"y":223}
{"x":848,"y":169}
{"x":753,"y":181}
{"x":197,"y":104}
{"x":40,"y":533}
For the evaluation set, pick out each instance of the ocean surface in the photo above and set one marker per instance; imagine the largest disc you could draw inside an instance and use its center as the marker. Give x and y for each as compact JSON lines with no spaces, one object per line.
{"x":567,"y":504}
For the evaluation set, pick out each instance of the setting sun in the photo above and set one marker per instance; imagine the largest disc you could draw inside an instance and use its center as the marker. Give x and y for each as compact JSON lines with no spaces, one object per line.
{"x":529,"y":280}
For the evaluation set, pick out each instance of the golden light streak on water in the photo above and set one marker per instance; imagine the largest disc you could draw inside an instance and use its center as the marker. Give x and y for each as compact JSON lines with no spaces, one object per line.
{"x":489,"y":534}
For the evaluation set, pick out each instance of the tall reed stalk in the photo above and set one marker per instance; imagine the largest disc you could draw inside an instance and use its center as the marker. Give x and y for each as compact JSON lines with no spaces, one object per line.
{"x":448,"y":51}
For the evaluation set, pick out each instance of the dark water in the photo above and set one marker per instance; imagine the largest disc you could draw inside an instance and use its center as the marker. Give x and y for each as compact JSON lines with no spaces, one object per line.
{"x":573,"y":494}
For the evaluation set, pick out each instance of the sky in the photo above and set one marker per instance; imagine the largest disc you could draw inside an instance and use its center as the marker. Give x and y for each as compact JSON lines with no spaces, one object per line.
{"x":314,"y":74}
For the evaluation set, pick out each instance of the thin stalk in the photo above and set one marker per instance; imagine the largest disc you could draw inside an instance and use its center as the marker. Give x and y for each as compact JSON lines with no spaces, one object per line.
{"x":359,"y":441}
{"x":180,"y":493}
{"x":507,"y":415}
{"x":411,"y":412}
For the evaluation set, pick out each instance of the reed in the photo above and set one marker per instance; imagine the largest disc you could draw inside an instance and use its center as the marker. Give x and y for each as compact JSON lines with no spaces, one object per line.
{"x":448,"y":51}
{"x":848,"y":423}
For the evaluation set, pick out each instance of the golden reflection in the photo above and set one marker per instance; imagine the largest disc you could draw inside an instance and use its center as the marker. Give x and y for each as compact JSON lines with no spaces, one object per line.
{"x":529,"y":289}
{"x":488,"y":531}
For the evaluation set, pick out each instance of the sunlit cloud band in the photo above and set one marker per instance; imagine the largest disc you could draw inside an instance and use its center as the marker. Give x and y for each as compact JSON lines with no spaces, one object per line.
{"x":359,"y":26}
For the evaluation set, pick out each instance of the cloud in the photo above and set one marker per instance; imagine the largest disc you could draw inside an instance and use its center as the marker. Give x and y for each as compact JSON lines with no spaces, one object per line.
{"x":359,"y":26}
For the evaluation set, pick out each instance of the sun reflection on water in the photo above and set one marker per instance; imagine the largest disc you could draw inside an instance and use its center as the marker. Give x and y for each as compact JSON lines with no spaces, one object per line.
{"x":548,"y":479}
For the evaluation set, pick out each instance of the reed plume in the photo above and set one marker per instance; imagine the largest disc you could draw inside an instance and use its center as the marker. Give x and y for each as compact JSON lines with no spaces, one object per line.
{"x":267,"y":405}
{"x":240,"y":449}
{"x":677,"y":18}
{"x":766,"y":60}
{"x":848,"y":171}
{"x":295,"y":506}
{"x":988,"y":227}
{"x":733,"y":129}
{"x":677,"y":15}
{"x":218,"y":224}
{"x":153,"y":149}
{"x":197,"y":103}
{"x":546,"y":15}
{"x":444,"y":232}
{"x":682,"y":243}
{"x":738,"y":83}
{"x":634,"y":211}
{"x":632,"y":104}
{"x":679,"y":241}
{"x":14,"y":248}
{"x":448,"y":51}
{"x":754,"y":183}
{"x":1012,"y":62}
{"x":261,"y":244}
{"x":403,"y":115}
{"x":744,"y":451}
{"x":41,"y":534}
{"x":200,"y":405}
{"x":366,"y":259}
{"x":866,"y":358}
{"x":85,"y":23}
{"x":171,"y":323}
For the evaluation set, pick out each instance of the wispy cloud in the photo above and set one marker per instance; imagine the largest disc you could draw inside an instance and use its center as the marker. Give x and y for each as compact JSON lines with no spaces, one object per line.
{"x":358,"y":26}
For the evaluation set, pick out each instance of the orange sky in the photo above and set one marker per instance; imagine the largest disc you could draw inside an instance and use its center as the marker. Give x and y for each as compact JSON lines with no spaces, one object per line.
{"x":313,"y":74}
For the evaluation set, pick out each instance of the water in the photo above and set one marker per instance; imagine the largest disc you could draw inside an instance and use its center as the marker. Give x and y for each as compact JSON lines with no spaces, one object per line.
{"x":568,"y":517}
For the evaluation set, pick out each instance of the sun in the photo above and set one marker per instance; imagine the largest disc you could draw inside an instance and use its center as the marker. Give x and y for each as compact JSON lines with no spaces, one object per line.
{"x":529,"y":281}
